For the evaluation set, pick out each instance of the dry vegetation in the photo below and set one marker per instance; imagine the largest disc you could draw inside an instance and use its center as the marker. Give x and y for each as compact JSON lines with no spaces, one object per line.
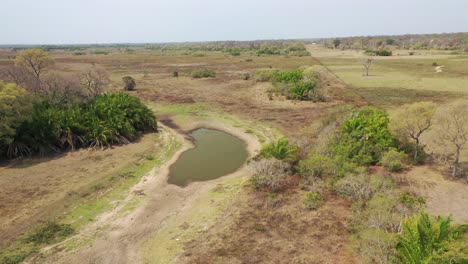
{"x":262,"y":225}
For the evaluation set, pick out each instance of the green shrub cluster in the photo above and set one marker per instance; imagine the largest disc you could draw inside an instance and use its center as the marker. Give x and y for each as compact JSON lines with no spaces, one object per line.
{"x":203,"y":73}
{"x":107,"y":119}
{"x":364,"y":137}
{"x":392,"y":160}
{"x":50,"y":232}
{"x":291,"y":76}
{"x":380,"y":52}
{"x":280,"y":150}
{"x":312,"y":200}
{"x":292,"y":84}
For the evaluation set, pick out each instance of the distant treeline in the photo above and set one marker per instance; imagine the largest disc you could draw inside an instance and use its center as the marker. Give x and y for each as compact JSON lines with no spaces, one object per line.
{"x":449,"y":41}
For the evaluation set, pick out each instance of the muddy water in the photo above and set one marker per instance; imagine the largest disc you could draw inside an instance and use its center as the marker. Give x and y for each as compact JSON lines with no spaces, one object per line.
{"x":216,"y":153}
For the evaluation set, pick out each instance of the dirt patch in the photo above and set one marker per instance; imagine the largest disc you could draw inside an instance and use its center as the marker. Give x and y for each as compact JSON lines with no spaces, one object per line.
{"x":443,"y":196}
{"x":267,"y":228}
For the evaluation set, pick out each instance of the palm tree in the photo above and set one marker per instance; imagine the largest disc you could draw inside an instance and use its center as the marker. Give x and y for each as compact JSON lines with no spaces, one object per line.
{"x":424,"y":238}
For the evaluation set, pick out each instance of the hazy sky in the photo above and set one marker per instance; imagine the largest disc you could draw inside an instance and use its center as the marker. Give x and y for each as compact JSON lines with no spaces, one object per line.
{"x":111,"y":21}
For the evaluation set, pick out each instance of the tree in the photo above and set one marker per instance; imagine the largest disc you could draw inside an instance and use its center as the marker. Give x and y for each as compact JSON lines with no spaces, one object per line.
{"x":20,"y":76}
{"x":365,"y":136}
{"x":452,"y":124}
{"x":412,"y":121}
{"x":95,"y":81}
{"x":129,"y":83}
{"x":336,"y":43}
{"x":367,"y":63}
{"x":59,"y":89}
{"x":15,"y":108}
{"x":34,"y":60}
{"x":428,"y":240}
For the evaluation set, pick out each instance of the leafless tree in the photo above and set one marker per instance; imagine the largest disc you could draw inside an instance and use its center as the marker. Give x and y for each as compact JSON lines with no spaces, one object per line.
{"x":367,"y":63}
{"x":452,"y":123}
{"x":60,"y":89}
{"x":20,"y":76}
{"x":95,"y":81}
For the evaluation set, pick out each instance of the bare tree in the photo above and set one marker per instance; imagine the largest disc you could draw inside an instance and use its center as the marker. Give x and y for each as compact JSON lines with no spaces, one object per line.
{"x":20,"y":76}
{"x":59,"y":89}
{"x":367,"y":63}
{"x":452,"y":124}
{"x":95,"y":81}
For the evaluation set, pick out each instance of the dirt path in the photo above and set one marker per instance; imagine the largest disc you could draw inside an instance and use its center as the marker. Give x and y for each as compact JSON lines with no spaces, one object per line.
{"x":443,"y":196}
{"x":118,"y":238}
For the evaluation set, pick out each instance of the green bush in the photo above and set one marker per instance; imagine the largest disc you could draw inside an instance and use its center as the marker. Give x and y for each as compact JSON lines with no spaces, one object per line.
{"x":79,"y":53}
{"x":383,"y":52}
{"x":392,"y":160}
{"x":203,"y":73}
{"x":316,"y":165}
{"x":364,"y":137}
{"x":410,"y":147}
{"x":281,"y":150}
{"x":15,"y":259}
{"x":108,"y":119}
{"x":312,"y":200}
{"x":50,"y":232}
{"x":291,"y":76}
{"x":302,"y":90}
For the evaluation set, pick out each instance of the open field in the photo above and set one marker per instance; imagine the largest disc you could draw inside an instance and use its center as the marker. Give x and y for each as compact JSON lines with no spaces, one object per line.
{"x":400,"y":78}
{"x":124,"y":210}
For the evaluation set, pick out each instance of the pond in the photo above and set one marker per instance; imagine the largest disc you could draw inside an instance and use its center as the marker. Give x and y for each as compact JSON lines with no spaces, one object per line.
{"x":216,"y":153}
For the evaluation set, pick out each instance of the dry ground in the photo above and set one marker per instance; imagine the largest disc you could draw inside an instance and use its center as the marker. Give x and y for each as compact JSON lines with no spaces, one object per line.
{"x":265,"y":228}
{"x":37,"y":189}
{"x":443,"y":196}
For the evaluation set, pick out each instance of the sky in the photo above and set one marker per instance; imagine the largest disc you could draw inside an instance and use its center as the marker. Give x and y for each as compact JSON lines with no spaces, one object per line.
{"x":145,"y":21}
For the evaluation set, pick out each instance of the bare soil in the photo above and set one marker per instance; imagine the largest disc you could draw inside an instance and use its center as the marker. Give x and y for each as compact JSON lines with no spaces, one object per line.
{"x":443,"y":196}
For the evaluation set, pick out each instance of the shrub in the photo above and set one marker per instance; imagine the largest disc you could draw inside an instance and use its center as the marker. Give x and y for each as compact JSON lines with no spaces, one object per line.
{"x":235,"y":52}
{"x":435,"y":64}
{"x":410,"y":201}
{"x":392,"y":160}
{"x":291,"y":76}
{"x":383,"y":52}
{"x":79,"y":53}
{"x":362,"y":187}
{"x":316,"y":165}
{"x":281,"y":150}
{"x":312,"y":200}
{"x":15,"y":259}
{"x":103,"y":52}
{"x":175,"y":74}
{"x":302,"y":90}
{"x":264,"y":75}
{"x":108,"y":119}
{"x":203,"y":73}
{"x":364,"y":137}
{"x":129,"y":83}
{"x":271,"y":174}
{"x":50,"y":232}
